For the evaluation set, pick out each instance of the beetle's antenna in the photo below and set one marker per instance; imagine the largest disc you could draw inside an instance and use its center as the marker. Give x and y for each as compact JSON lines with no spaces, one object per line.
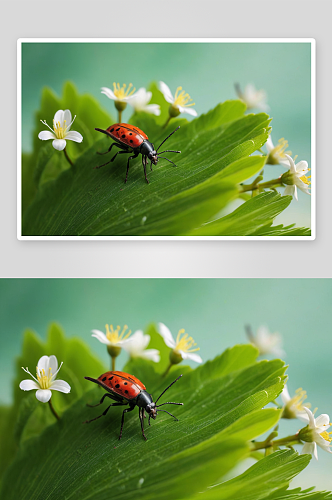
{"x":166,"y":137}
{"x":167,"y":160}
{"x":170,"y":385}
{"x":104,"y":132}
{"x":168,"y":414}
{"x":168,"y":151}
{"x":169,"y":403}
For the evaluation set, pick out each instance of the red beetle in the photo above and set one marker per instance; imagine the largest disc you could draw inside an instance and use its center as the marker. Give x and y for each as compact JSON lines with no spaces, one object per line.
{"x":130,"y":139}
{"x":126,"y":389}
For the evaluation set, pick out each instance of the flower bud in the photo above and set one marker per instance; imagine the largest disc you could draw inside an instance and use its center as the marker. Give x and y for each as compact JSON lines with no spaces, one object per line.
{"x":175,"y":357}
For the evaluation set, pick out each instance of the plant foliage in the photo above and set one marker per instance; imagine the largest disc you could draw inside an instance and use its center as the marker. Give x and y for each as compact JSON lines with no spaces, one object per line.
{"x":216,"y":157}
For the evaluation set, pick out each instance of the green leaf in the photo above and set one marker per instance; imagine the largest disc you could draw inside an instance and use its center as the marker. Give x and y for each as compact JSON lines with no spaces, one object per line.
{"x":252,"y":215}
{"x":223,"y":403}
{"x":266,"y":477}
{"x":84,"y":201}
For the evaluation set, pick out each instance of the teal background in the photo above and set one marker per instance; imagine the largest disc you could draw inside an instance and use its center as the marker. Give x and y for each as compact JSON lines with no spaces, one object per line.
{"x":207,"y":71}
{"x":213,"y":311}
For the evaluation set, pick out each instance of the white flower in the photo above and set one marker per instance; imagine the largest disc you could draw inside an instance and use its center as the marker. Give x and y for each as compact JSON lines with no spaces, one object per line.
{"x":266,"y":342}
{"x":316,"y":434}
{"x":112,"y":337}
{"x":119,"y":94}
{"x":293,"y":407}
{"x":61,"y":130}
{"x":180,"y":102}
{"x":46,"y":372}
{"x":276,"y":154}
{"x":140,"y":100}
{"x":296,"y":178}
{"x":253,"y":98}
{"x":182,"y":346}
{"x":136,"y":347}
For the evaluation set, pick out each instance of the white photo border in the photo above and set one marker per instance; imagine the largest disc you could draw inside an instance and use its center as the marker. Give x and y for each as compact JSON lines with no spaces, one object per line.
{"x":312,"y":42}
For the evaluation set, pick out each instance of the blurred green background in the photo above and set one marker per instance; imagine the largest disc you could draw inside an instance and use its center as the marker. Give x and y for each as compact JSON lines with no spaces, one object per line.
{"x":213,"y":311}
{"x":207,"y":71}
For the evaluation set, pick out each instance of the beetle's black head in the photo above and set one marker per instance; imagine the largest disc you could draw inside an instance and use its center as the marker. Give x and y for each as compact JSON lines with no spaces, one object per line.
{"x":151,"y":410}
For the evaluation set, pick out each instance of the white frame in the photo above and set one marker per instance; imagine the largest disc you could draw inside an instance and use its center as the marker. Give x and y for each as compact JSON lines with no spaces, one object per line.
{"x":312,"y":41}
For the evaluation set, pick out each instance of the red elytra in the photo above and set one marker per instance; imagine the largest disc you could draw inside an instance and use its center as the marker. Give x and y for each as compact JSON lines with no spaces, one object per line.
{"x":130,"y":139}
{"x":126,"y":389}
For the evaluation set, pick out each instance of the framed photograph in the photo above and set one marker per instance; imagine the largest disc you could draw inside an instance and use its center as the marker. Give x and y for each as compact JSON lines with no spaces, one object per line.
{"x":166,"y":139}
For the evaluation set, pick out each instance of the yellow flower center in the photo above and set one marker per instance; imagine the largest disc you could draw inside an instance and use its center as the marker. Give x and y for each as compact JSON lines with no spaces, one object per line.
{"x":59,"y":131}
{"x":184,"y":342}
{"x":43,"y":379}
{"x":114,"y":336}
{"x":182,"y":99}
{"x":299,"y":398}
{"x":305,"y":179}
{"x":280,"y":149}
{"x":326,"y":435}
{"x":121,"y":92}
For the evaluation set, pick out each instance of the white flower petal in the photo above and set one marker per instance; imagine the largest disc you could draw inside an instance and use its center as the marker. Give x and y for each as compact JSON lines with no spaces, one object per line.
{"x":166,"y":92}
{"x":166,"y":335}
{"x":152,"y":354}
{"x":153,"y":109}
{"x":269,"y":144}
{"x":189,"y":111}
{"x":60,"y":385}
{"x":289,"y":191}
{"x":43,"y":395}
{"x":53,"y":364}
{"x":59,"y":144}
{"x":323,"y":421}
{"x":285,"y":397}
{"x":74,"y":136}
{"x":303,"y":416}
{"x":101,"y":337}
{"x":109,"y":93}
{"x":192,"y":356}
{"x":28,"y":385}
{"x":138,"y":341}
{"x":309,"y":448}
{"x":45,"y":135}
{"x":310,"y":416}
{"x":67,"y":118}
{"x":43,"y":364}
{"x":59,"y":117}
{"x":302,"y":167}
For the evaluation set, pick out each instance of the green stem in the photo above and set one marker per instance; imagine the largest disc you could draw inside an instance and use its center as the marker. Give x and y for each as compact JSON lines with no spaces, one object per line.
{"x":113,"y":363}
{"x":67,"y":157}
{"x":119,"y":116}
{"x":167,"y":122}
{"x":250,"y":187}
{"x":53,"y":410}
{"x":167,"y":370}
{"x":287,"y":441}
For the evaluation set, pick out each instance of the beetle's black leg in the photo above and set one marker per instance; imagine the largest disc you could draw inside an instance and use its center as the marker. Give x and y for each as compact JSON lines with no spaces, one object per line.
{"x":119,"y":152}
{"x":122,"y":419}
{"x":104,"y":412}
{"x":144,"y":168}
{"x":130,"y":158}
{"x":141,"y":416}
{"x":109,"y":149}
{"x":101,"y":401}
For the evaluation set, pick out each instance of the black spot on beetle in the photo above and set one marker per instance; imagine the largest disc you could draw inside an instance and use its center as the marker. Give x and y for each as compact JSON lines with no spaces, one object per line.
{"x":130,"y":133}
{"x":110,"y":378}
{"x":123,"y":136}
{"x":126,"y":391}
{"x":125,"y":383}
{"x":131,"y":140}
{"x":112,"y":129}
{"x":117,"y":386}
{"x":117,"y":130}
{"x":104,"y":379}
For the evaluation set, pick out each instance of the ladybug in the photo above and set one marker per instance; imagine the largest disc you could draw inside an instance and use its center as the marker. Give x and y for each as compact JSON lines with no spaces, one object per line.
{"x":126,"y":389}
{"x":130,"y":139}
